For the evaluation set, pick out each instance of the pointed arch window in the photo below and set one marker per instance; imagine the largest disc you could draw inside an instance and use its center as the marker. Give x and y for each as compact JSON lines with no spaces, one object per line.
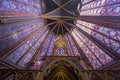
{"x":60,"y":51}
{"x":96,"y":56}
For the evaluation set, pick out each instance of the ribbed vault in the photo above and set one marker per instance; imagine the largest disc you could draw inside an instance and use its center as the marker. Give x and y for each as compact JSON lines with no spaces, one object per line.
{"x":87,"y":30}
{"x":60,"y":15}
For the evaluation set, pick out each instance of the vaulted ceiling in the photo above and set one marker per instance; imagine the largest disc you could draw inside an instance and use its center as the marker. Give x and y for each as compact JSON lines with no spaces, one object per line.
{"x":60,"y":15}
{"x":30,"y":28}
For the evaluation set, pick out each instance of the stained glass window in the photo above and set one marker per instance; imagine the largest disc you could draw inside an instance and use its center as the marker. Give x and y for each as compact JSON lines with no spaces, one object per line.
{"x":23,"y":49}
{"x":25,"y":7}
{"x":100,"y":7}
{"x":12,"y":33}
{"x":46,"y":50}
{"x":24,"y":31}
{"x":60,"y":51}
{"x":73,"y":50}
{"x":28,"y":55}
{"x":46,"y":46}
{"x":108,"y":36}
{"x":50,"y":49}
{"x":71,"y":44}
{"x":96,"y":56}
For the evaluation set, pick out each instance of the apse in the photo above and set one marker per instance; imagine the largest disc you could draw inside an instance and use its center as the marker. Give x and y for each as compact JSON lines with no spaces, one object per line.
{"x":33,"y":29}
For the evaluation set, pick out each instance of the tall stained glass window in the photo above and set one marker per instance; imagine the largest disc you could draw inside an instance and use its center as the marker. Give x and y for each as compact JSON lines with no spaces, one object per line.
{"x":22,"y":31}
{"x":95,"y":17}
